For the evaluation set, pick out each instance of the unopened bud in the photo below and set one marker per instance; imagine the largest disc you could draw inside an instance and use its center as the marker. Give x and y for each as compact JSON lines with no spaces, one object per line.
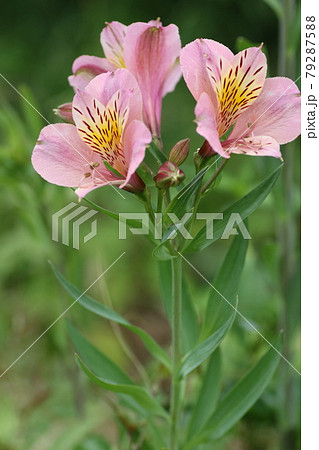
{"x":168,"y":175}
{"x":179,"y":152}
{"x":65,"y":112}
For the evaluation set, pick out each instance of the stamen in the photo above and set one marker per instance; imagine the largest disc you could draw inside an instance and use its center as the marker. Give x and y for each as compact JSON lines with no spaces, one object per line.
{"x":102,"y":131}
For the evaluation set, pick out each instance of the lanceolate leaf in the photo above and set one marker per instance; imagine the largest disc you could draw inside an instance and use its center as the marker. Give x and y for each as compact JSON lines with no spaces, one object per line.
{"x":107,"y":212}
{"x":138,"y":393}
{"x":226,"y":287}
{"x":178,"y":206}
{"x":133,"y":223}
{"x":157,"y":153}
{"x":106,"y":373}
{"x":202,"y":351}
{"x":162,"y":252}
{"x":98,"y":362}
{"x":190,"y":330}
{"x":240,"y":399}
{"x":244,"y":207}
{"x":103,"y":311}
{"x":179,"y":203}
{"x":208,"y":395}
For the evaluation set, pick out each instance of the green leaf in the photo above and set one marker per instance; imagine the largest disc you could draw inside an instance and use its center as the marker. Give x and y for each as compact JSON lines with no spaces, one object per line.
{"x":240,"y":398}
{"x":103,"y":311}
{"x":131,"y":222}
{"x":202,"y":351}
{"x":115,"y":172}
{"x":145,"y":174}
{"x":157,"y":153}
{"x":155,"y":350}
{"x":106,"y":373}
{"x":177,"y":206}
{"x":98,"y":362}
{"x":245,"y":206}
{"x":179,"y":203}
{"x":190,"y":330}
{"x":138,"y":393}
{"x":208,"y":395}
{"x":163,"y":252}
{"x":226,"y":283}
{"x":165,"y":282}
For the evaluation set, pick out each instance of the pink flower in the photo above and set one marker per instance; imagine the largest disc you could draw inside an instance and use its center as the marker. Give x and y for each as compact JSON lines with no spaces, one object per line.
{"x":149,"y":51}
{"x":107,"y":143}
{"x":85,"y":67}
{"x":231,"y":90}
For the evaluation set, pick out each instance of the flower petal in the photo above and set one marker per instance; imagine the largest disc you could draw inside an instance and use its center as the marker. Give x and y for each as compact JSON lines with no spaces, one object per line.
{"x":136,"y":137}
{"x":101,"y":127}
{"x":237,"y":84}
{"x":253,"y":146}
{"x":275,"y":113}
{"x":62,"y":158}
{"x":112,"y":41}
{"x":85,"y":68}
{"x":104,"y":86}
{"x":206,"y":123}
{"x":81,"y":192}
{"x":150,"y":53}
{"x":194,"y":64}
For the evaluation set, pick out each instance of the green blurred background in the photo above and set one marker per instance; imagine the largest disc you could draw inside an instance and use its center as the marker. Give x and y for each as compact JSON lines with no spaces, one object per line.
{"x":45,"y":403}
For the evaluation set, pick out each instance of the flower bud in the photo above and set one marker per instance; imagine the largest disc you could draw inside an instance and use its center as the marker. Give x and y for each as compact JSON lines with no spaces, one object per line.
{"x":206,"y":150}
{"x":168,"y":175}
{"x":65,"y":112}
{"x":179,"y":152}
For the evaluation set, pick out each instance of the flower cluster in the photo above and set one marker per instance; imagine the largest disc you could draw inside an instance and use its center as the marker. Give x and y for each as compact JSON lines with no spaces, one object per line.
{"x":116,"y":110}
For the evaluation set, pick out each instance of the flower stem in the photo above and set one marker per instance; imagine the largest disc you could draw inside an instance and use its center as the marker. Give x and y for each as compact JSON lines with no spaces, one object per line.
{"x":177,"y":348}
{"x":160,"y":194}
{"x":145,"y":196}
{"x":167,"y":198}
{"x":215,"y":175}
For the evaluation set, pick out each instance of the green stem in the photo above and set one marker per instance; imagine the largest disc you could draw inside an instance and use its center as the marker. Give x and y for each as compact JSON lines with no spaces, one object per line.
{"x":160,"y":194}
{"x":215,"y":175}
{"x":177,"y":348}
{"x":105,"y":293}
{"x":145,"y":196}
{"x":167,"y":197}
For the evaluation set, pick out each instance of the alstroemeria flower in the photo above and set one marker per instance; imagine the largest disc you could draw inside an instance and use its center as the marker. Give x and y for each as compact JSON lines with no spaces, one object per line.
{"x":108,"y":128}
{"x":149,"y":51}
{"x":86,"y":67}
{"x":231,"y":90}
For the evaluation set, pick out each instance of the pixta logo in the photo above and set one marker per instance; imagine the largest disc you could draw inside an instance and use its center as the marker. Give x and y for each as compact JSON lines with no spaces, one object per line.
{"x":68,"y":221}
{"x":232,"y":226}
